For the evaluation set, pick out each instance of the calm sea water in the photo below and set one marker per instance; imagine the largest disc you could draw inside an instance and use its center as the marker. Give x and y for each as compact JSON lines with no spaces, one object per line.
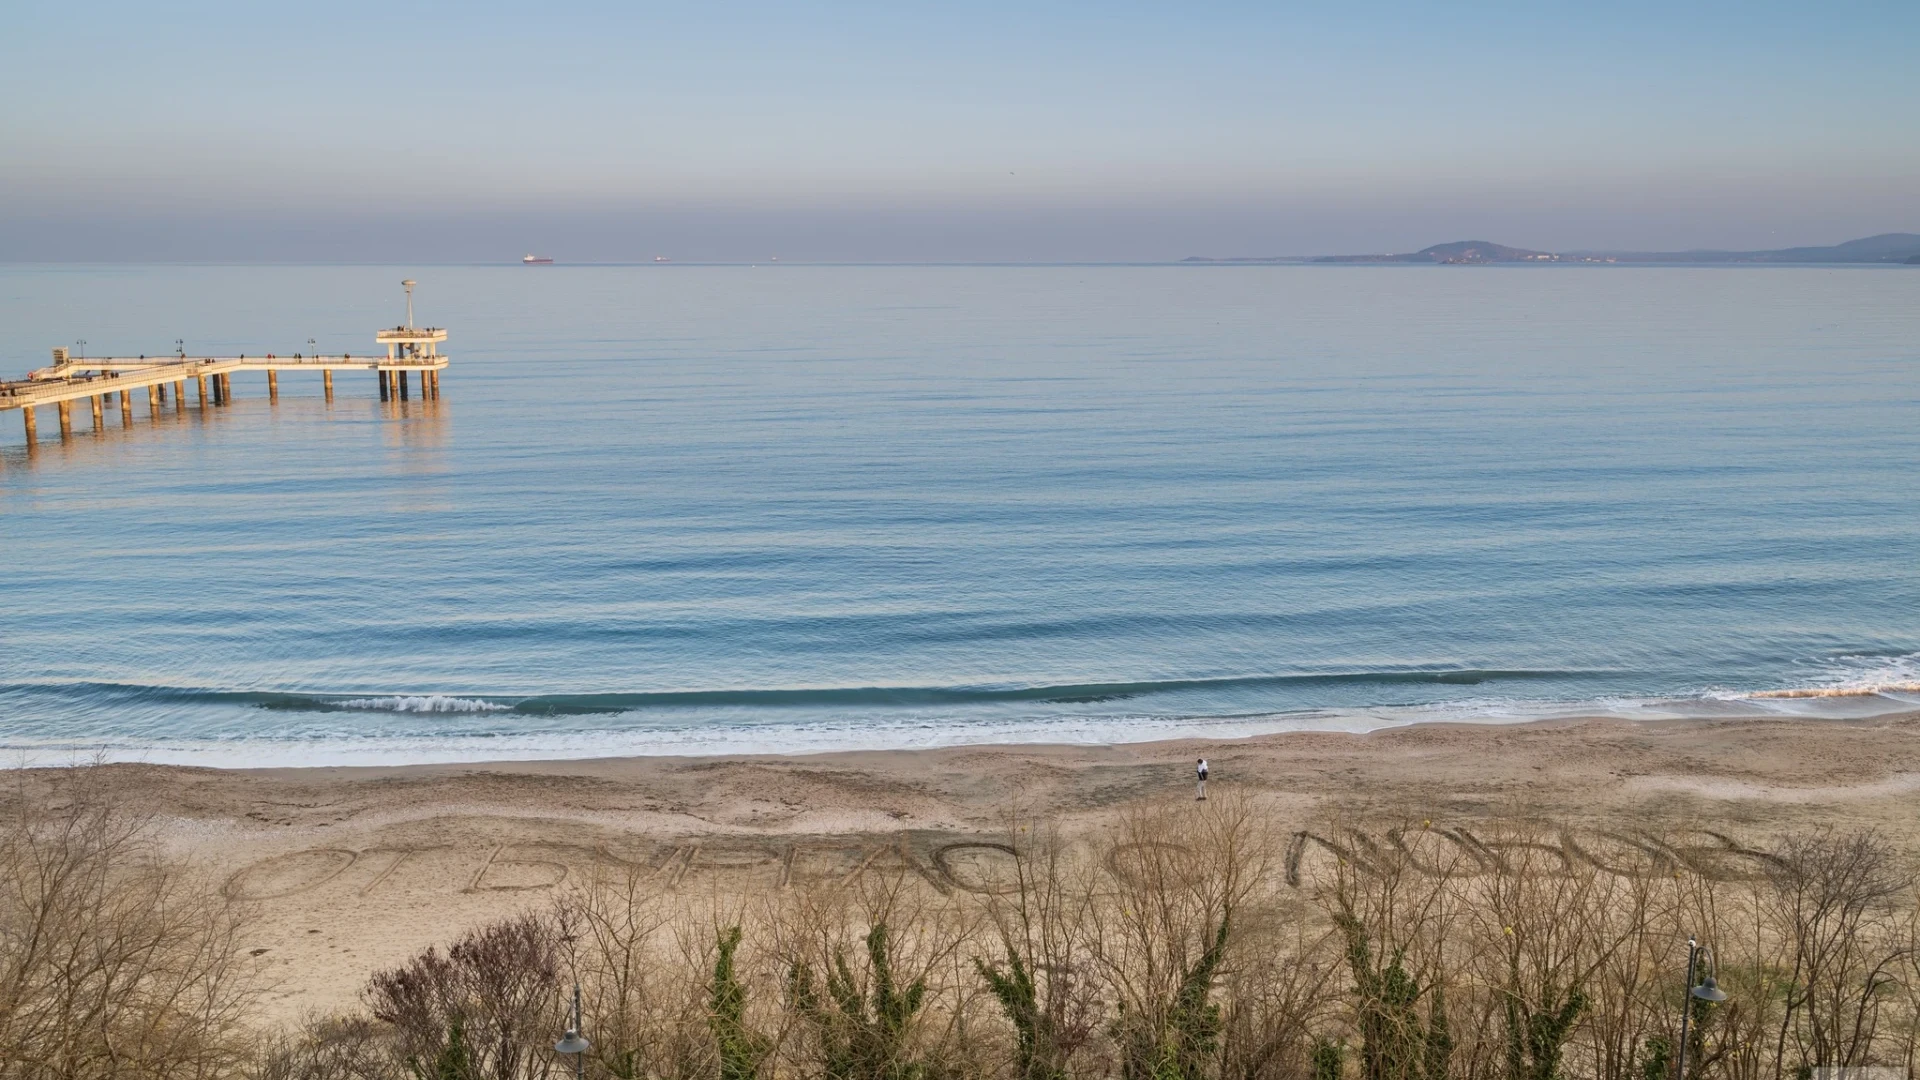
{"x":693,"y":509}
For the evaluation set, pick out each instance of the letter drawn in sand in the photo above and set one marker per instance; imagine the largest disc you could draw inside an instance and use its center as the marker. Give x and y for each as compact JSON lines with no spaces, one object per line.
{"x":1619,"y":854}
{"x":1303,"y":842}
{"x":1508,"y":854}
{"x":978,"y":866}
{"x":1720,"y":857}
{"x":516,"y":874}
{"x":400,"y":855}
{"x":290,"y":874}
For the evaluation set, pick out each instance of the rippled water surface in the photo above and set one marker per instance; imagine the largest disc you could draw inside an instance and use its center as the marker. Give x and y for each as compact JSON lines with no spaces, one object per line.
{"x":696,"y":509}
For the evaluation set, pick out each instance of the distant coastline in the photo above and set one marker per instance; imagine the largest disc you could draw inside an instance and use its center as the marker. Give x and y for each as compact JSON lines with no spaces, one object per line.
{"x":1883,"y":249}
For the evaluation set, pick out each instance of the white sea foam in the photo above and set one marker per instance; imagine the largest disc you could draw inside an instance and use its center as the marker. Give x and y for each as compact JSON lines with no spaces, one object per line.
{"x":664,"y":736}
{"x":423,"y":703}
{"x":1856,"y":677}
{"x":1871,"y":690}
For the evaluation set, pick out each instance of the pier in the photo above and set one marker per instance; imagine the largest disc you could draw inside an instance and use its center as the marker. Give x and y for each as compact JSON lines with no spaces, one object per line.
{"x":110,"y":383}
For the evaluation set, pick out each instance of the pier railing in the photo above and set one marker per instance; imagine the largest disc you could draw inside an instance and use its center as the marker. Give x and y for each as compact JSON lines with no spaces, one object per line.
{"x":100,"y":378}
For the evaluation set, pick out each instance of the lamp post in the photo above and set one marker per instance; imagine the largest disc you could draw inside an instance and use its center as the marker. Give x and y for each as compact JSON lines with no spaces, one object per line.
{"x":573,"y":1042}
{"x":1708,"y":990}
{"x":310,"y":348}
{"x":82,"y":343}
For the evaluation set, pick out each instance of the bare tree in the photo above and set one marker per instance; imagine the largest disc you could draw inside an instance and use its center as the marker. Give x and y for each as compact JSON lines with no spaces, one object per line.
{"x":1831,"y":897}
{"x":636,"y":949}
{"x":1043,"y":975}
{"x":113,"y":961}
{"x":1167,"y":925}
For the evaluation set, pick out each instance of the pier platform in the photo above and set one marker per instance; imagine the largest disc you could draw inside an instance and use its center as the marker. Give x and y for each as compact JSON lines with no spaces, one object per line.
{"x":101,"y":380}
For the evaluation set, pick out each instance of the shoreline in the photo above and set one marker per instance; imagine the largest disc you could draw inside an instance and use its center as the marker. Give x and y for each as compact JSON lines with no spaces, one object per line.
{"x":697,"y":741}
{"x":1144,"y":753}
{"x":353,"y":868}
{"x":1894,"y":716}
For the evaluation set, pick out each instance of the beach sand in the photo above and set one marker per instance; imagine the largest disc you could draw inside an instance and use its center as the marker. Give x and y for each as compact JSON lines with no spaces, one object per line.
{"x":352,"y":869}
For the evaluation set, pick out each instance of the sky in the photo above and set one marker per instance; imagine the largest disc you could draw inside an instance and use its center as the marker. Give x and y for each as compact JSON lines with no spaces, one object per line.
{"x":979,"y":131}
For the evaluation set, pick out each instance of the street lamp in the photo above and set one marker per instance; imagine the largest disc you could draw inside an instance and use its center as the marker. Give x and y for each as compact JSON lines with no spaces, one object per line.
{"x":82,"y":343}
{"x":573,"y":1042}
{"x":1708,"y":990}
{"x":310,"y":349}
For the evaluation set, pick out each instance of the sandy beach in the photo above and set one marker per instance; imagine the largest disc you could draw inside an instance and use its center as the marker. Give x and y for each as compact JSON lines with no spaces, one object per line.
{"x":349,"y":870}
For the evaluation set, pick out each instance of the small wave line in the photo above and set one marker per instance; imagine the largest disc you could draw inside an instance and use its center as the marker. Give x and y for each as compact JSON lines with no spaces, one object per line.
{"x":1874,"y":690}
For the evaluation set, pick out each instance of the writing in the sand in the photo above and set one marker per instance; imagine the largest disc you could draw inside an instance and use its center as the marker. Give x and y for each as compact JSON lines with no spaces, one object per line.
{"x":974,"y":865}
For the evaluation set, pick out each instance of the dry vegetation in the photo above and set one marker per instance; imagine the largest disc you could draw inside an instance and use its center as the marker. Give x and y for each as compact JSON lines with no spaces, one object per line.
{"x":112,"y":961}
{"x":1187,"y":942}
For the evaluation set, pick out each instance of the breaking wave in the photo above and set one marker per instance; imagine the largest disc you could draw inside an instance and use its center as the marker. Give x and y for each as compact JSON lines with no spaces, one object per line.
{"x":422,"y":703}
{"x":1855,"y":677}
{"x":853,"y":697}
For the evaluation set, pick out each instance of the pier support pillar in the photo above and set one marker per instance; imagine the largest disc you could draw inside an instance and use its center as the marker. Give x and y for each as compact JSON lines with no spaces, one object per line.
{"x":226,"y":388}
{"x":403,"y":385}
{"x":326,"y":380}
{"x":66,"y":420}
{"x":26,"y":415}
{"x":153,"y":402}
{"x":162,"y":387}
{"x":180,"y":395}
{"x":383,"y":385}
{"x":99,"y":408}
{"x":203,"y":391}
{"x":126,"y":408}
{"x":273,"y":387}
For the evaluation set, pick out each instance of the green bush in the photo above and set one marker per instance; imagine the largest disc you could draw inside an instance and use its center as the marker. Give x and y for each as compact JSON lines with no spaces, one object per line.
{"x":861,"y":1036}
{"x":741,"y":1048}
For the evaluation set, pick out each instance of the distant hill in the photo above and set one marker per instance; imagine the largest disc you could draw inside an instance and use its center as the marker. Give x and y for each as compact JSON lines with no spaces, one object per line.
{"x":1460,"y":251}
{"x":1884,"y":248}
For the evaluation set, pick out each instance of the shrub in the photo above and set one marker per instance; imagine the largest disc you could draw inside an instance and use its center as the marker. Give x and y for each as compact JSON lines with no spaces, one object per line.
{"x":741,"y":1048}
{"x":332,"y":1048}
{"x":486,"y":1009}
{"x":863,"y":1032}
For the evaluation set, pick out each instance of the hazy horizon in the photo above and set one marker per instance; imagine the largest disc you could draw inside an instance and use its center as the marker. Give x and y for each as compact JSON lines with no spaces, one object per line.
{"x":859,"y":132}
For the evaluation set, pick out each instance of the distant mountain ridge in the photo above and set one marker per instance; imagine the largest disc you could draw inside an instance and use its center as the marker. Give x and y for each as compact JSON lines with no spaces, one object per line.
{"x":1884,"y":248}
{"x":1457,"y":252}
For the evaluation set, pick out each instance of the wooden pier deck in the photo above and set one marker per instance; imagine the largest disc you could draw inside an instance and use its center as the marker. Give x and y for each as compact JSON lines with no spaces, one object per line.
{"x":99,"y":381}
{"x":106,"y":378}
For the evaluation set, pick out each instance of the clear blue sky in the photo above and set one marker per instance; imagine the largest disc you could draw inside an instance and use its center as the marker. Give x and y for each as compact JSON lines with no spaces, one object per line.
{"x":984,"y":130}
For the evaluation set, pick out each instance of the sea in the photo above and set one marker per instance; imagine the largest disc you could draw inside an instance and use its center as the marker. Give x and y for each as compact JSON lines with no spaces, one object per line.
{"x":685,"y":509}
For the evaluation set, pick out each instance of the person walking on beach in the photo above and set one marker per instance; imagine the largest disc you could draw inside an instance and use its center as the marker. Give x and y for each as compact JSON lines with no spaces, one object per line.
{"x":1200,"y":771}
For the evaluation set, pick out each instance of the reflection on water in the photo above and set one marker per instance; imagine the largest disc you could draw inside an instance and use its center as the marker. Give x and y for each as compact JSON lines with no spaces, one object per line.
{"x":695,"y":508}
